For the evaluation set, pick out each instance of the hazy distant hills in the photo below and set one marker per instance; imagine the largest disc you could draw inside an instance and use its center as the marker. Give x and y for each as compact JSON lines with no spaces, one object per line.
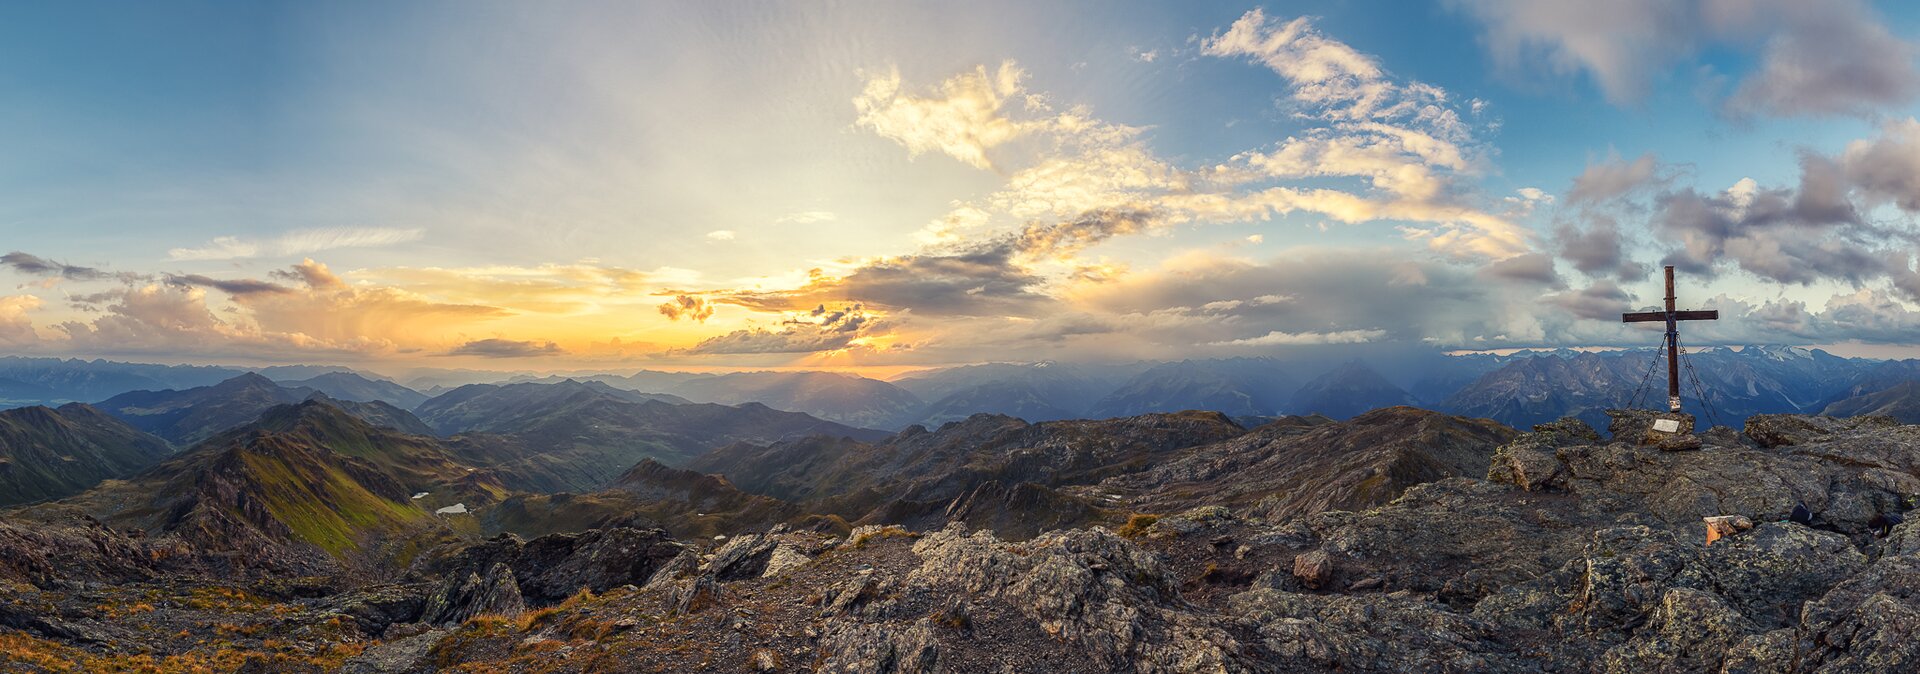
{"x":47,"y":453}
{"x":581,"y":435}
{"x":1034,"y":392}
{"x":1520,"y":389}
{"x":353,"y":387}
{"x":848,"y":399}
{"x":1349,"y":390}
{"x":1234,"y":386}
{"x":57,"y":380}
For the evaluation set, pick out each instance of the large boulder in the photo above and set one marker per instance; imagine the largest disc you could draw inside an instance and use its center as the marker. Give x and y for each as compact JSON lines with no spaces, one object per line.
{"x":460,"y":598}
{"x":554,"y":567}
{"x":1092,"y":590}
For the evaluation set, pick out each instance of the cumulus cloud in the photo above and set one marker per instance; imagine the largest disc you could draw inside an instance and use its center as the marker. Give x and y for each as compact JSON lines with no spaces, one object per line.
{"x":1406,"y":140}
{"x":506,"y":348}
{"x":1402,"y":146}
{"x":1887,"y":168}
{"x":1597,"y":249}
{"x":1817,"y":230}
{"x":1814,"y":58}
{"x":1602,"y":301}
{"x":1534,"y":268}
{"x":16,"y":329}
{"x":962,"y":118}
{"x":687,"y":306}
{"x":1614,"y":177}
{"x":1769,"y":232}
{"x":1826,"y":58}
{"x":299,"y":242}
{"x":721,"y":235}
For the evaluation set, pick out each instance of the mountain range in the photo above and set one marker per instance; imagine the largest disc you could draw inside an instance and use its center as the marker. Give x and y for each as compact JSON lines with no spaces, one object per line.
{"x":1520,"y":389}
{"x":308,"y":538}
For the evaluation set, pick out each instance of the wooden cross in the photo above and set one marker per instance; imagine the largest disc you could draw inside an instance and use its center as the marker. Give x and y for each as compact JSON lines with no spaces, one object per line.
{"x":1673,"y":318}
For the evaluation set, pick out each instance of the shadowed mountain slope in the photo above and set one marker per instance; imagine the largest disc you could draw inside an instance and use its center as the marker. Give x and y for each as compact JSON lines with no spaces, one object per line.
{"x":306,"y":488}
{"x":918,"y":473}
{"x":48,"y":453}
{"x":1284,"y":470}
{"x":579,"y":437}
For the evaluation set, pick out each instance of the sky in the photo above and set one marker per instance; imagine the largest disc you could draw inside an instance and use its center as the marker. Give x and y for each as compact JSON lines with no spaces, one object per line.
{"x":878,"y":187}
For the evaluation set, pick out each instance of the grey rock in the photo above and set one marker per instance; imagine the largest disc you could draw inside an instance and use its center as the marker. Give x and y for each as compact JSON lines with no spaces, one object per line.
{"x":461,"y":598}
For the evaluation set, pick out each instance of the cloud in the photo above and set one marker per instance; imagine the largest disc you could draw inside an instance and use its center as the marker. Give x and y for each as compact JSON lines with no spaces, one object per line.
{"x":1406,"y":140}
{"x":1620,"y":44}
{"x":1326,"y":72}
{"x":1612,"y":178}
{"x":1597,"y":250}
{"x":806,"y":218}
{"x":229,"y":286}
{"x":1278,"y":338}
{"x":40,"y":266}
{"x":687,"y":306}
{"x":299,"y":242}
{"x":1817,"y":230}
{"x":820,"y":329}
{"x":1827,"y":58}
{"x":1821,"y":58}
{"x":1773,"y":233}
{"x":721,"y":235}
{"x":1530,"y":268}
{"x":331,"y":310}
{"x":1062,"y":240}
{"x":978,"y":281}
{"x":506,"y":348}
{"x":16,"y":329}
{"x":1887,"y":168}
{"x":962,"y":118}
{"x":1602,"y":301}
{"x":1201,"y":298}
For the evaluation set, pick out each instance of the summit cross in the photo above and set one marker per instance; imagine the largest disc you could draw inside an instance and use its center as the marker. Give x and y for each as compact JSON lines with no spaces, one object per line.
{"x":1673,"y":318}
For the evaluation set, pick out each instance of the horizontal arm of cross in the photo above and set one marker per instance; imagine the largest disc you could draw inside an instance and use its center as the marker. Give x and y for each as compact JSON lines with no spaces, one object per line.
{"x":1661,"y":316}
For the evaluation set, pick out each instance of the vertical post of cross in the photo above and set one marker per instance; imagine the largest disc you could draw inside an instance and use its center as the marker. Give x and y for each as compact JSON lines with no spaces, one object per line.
{"x":1673,"y":349}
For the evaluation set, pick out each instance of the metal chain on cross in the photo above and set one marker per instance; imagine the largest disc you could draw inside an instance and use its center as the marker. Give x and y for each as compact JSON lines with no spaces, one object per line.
{"x":1699,"y":389}
{"x":1646,"y":381}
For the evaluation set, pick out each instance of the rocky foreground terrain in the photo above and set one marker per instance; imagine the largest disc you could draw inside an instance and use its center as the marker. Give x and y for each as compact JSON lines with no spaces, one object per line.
{"x":1574,"y":553}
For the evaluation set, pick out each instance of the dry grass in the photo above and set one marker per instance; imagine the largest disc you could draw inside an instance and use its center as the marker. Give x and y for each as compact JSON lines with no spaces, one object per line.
{"x":1137,"y":525}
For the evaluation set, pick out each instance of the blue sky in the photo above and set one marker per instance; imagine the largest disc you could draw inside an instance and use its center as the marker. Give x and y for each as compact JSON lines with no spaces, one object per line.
{"x":882,"y":186}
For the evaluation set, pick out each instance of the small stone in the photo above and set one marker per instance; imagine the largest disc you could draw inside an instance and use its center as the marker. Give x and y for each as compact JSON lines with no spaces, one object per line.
{"x":1366,"y":584}
{"x":1241,"y":552}
{"x":765,"y":661}
{"x":1314,"y":569}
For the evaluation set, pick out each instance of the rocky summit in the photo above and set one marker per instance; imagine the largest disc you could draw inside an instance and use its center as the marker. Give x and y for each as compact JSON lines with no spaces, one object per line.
{"x":1399,"y":541}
